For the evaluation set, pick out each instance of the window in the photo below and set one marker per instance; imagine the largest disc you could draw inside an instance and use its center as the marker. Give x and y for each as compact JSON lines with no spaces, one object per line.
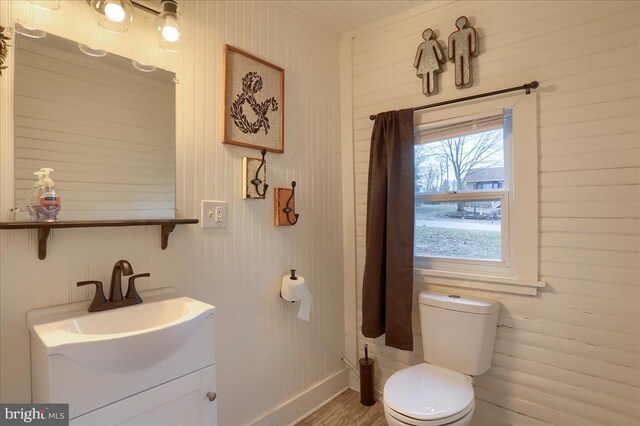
{"x":471,"y":230}
{"x":461,"y":190}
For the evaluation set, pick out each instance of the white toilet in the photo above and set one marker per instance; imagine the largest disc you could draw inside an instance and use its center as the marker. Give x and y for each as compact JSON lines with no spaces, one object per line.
{"x":458,"y":335}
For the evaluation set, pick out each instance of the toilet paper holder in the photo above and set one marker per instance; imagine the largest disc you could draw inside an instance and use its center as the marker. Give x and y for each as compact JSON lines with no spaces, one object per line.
{"x":294,"y":289}
{"x":293,"y":277}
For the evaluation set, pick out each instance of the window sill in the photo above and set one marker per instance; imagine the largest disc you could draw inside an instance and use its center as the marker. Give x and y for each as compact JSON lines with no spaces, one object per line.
{"x":477,"y":281}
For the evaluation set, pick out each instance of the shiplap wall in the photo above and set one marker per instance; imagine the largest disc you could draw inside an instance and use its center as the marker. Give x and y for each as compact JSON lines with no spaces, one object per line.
{"x":265,"y":355}
{"x":569,"y":356}
{"x":107,"y":130}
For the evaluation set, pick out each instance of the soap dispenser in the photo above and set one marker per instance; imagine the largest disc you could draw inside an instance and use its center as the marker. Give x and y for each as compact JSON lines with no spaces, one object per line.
{"x":33,"y":198}
{"x":50,"y":202}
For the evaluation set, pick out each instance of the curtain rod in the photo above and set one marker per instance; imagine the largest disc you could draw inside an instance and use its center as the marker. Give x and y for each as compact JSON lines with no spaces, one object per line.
{"x":526,"y":87}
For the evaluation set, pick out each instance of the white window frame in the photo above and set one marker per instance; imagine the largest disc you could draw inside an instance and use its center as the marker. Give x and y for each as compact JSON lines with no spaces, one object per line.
{"x":517,"y":271}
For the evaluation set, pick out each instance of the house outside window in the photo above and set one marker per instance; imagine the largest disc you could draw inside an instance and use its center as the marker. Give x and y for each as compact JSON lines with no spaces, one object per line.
{"x":485,"y":178}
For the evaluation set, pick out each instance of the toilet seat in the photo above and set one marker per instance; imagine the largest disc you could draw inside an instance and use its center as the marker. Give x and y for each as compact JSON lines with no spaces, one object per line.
{"x":428,"y":395}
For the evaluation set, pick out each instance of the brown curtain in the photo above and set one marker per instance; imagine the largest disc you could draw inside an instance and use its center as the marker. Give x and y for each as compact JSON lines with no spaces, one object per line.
{"x":387,"y":292}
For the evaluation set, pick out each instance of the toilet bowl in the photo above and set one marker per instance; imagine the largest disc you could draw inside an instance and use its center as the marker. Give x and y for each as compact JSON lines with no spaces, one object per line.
{"x":393,"y":421}
{"x":428,"y":395}
{"x":458,"y":335}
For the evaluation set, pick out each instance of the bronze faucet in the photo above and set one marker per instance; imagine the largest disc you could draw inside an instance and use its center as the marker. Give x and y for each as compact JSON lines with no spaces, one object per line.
{"x":122,"y":267}
{"x":99,"y":303}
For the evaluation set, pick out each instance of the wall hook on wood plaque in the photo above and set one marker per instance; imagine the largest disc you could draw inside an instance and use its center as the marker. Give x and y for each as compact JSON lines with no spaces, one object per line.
{"x":254,"y":177}
{"x":285,"y":205}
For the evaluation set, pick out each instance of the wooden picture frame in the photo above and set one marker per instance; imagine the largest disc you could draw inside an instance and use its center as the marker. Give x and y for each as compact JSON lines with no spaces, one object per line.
{"x":253,"y":102}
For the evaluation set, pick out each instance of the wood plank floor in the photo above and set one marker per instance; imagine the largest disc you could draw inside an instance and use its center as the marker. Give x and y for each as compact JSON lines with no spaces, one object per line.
{"x":346,"y":410}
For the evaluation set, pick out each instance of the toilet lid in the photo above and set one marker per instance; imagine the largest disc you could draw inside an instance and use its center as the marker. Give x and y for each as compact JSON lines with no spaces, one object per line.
{"x":428,"y":392}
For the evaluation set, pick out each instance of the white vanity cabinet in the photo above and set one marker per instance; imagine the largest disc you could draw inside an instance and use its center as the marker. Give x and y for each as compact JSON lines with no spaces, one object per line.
{"x":183,"y":401}
{"x":148,"y":364}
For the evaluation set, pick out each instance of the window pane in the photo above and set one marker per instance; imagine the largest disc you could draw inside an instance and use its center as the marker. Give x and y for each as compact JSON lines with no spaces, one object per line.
{"x":466,"y":230}
{"x":473,"y":162}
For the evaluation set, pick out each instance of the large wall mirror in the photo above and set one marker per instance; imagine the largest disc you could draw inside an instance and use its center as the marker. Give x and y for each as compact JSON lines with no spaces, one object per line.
{"x":104,"y":123}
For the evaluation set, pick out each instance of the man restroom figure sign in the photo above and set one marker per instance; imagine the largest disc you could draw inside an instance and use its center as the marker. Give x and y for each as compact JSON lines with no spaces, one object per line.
{"x":463,"y":44}
{"x":428,"y":59}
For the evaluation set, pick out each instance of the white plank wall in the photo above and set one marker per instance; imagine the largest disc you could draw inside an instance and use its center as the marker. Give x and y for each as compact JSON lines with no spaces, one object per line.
{"x":569,"y":356}
{"x":265,"y":355}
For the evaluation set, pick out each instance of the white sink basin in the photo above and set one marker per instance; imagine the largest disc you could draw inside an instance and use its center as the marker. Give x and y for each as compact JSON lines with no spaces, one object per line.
{"x":142,"y":318}
{"x":120,"y":339}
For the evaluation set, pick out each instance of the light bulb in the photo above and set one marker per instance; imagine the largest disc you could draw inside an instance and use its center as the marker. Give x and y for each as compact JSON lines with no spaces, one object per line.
{"x":170,"y":30}
{"x":113,"y":15}
{"x":114,"y":12}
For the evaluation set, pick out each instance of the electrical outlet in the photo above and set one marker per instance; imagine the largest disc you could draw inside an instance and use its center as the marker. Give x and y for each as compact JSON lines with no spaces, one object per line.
{"x":214,"y":214}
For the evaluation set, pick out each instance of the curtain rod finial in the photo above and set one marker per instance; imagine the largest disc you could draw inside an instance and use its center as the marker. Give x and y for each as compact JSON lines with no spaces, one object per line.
{"x":533,"y":85}
{"x":372,"y":117}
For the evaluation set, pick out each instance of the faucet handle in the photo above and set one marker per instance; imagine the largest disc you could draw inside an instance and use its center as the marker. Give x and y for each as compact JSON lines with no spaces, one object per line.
{"x":132,"y":293}
{"x":98,"y":297}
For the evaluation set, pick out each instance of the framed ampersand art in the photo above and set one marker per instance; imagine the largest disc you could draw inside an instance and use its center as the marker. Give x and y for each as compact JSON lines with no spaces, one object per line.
{"x":253,"y":101}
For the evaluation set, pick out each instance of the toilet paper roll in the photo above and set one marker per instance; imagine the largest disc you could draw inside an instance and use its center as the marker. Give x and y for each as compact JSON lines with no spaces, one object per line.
{"x":294,"y":290}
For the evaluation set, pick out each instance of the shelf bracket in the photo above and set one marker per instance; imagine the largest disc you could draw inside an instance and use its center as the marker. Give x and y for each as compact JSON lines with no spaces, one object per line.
{"x":43,"y":236}
{"x":165,"y":231}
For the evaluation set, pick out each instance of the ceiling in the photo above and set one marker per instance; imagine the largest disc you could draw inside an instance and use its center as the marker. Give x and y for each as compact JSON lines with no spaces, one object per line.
{"x":341,"y":16}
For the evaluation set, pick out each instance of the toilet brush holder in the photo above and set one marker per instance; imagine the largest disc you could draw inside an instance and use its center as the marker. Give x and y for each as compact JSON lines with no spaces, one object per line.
{"x":366,"y":379}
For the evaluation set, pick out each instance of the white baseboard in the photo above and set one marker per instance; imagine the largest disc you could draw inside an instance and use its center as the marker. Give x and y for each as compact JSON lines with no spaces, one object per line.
{"x":306,"y":403}
{"x":354,"y":381}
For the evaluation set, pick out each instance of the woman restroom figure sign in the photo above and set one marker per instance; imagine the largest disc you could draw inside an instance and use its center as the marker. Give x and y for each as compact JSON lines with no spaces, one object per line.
{"x":428,"y":59}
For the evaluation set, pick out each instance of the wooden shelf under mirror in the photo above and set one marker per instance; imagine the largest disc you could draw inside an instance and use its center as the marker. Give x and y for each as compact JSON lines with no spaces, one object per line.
{"x":44,"y":228}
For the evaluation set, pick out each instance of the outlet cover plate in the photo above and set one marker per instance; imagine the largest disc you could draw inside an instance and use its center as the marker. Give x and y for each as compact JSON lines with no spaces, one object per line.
{"x":214,"y":214}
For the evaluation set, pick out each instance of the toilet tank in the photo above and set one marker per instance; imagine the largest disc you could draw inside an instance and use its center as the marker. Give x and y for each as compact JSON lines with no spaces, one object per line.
{"x":458,"y":332}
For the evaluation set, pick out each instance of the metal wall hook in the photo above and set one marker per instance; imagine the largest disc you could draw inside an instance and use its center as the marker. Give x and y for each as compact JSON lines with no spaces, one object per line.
{"x":257,"y":181}
{"x":288,"y":209}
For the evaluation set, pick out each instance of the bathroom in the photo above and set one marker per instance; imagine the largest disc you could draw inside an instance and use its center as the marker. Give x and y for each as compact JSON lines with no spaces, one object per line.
{"x":549,"y":242}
